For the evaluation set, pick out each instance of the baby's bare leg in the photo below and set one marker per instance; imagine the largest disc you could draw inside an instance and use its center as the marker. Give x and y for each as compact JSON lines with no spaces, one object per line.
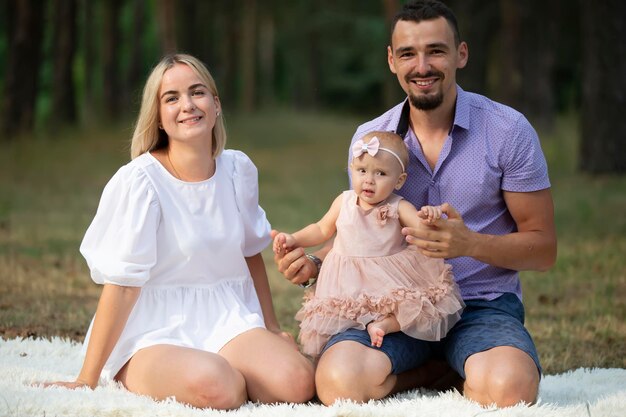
{"x":378,"y":329}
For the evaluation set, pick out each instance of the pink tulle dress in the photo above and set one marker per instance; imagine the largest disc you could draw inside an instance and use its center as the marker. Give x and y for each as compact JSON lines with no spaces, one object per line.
{"x":372,"y":272}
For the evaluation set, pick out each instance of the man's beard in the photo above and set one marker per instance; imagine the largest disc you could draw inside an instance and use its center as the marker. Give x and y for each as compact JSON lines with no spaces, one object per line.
{"x":426,"y":102}
{"x":429,"y":102}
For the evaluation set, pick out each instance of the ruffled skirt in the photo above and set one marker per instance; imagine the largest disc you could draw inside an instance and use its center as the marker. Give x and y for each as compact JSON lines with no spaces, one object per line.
{"x":419,"y":291}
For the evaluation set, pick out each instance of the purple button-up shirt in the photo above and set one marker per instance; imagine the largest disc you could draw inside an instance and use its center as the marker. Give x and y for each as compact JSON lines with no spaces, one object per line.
{"x":490,"y":148}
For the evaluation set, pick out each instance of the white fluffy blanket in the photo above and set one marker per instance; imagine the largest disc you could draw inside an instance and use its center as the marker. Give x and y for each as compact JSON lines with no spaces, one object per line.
{"x":583,"y":392}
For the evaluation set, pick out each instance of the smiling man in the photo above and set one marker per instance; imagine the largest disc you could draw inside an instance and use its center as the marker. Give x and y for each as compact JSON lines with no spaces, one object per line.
{"x":483,"y":162}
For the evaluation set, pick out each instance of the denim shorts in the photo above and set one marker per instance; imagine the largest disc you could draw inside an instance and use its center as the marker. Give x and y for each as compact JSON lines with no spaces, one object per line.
{"x":484,"y":324}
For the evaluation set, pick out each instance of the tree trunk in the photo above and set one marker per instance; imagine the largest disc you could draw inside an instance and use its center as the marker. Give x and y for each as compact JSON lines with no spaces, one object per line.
{"x":110,"y":48}
{"x":508,"y":80}
{"x":392,"y":93}
{"x":64,"y":47}
{"x":538,"y":61}
{"x":479,"y":22}
{"x":313,"y":78}
{"x":5,"y":32}
{"x":247,"y":56}
{"x":22,"y":71}
{"x":196,"y":28}
{"x":225,"y":67}
{"x":187,"y":39}
{"x":166,"y":18}
{"x":267,"y":58}
{"x":89,"y":55}
{"x":205,"y":33}
{"x":603,"y":145}
{"x":135,"y":69}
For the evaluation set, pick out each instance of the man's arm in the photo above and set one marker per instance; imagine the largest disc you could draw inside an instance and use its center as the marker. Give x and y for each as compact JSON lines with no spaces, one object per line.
{"x":532,"y":247}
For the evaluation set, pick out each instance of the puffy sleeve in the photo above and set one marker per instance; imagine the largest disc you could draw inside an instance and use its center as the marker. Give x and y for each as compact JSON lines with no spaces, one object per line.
{"x":246,"y":184}
{"x":120,"y":244}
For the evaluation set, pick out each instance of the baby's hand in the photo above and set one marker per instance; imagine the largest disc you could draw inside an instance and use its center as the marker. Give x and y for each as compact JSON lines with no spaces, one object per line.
{"x":283,"y":243}
{"x":430,"y":213}
{"x":279,"y":243}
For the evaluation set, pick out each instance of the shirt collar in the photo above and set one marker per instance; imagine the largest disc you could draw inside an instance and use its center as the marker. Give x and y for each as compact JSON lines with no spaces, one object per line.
{"x":461,"y":113}
{"x":462,"y":110}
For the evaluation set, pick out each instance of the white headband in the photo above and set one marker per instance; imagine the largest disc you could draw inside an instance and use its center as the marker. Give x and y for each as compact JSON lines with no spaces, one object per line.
{"x":372,"y":149}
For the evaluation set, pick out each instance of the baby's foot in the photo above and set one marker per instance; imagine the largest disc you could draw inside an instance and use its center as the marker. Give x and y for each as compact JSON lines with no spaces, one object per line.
{"x":376,"y":332}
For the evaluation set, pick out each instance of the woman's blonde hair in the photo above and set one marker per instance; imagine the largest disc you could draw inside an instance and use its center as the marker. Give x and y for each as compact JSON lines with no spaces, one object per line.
{"x":147,"y":135}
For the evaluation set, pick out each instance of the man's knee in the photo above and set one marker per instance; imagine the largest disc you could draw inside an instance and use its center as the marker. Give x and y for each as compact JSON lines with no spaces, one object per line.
{"x":506,"y":389}
{"x":338,"y":382}
{"x":360,"y":379}
{"x":491,"y":380}
{"x":521,"y":387}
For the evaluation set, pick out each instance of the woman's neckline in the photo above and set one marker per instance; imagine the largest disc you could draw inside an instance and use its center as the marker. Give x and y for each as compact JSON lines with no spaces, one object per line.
{"x":172,"y":177}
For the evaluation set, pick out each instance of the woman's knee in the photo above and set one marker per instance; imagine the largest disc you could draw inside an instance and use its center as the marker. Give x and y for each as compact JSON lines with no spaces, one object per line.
{"x":297,"y":377}
{"x":224,"y":390}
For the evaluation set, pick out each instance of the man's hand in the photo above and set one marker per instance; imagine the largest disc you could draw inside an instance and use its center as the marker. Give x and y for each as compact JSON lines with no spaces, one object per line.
{"x":294,"y":265}
{"x":441,"y":238}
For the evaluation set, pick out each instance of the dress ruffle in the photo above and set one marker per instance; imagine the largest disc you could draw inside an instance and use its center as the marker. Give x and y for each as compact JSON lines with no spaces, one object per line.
{"x":426,"y":311}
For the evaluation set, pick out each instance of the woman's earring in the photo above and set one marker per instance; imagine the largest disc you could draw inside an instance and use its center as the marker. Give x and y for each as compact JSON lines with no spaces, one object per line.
{"x":217,"y":113}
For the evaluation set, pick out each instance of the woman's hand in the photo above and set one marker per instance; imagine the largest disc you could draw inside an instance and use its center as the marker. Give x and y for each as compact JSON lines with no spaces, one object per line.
{"x":285,"y":335}
{"x":65,"y":384}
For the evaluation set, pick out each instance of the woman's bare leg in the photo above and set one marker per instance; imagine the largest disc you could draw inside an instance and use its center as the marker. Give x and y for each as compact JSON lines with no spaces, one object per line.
{"x":192,"y":376}
{"x":273,"y":368}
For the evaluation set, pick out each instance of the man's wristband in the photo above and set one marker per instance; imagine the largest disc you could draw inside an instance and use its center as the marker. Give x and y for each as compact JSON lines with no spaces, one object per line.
{"x":318,"y":264}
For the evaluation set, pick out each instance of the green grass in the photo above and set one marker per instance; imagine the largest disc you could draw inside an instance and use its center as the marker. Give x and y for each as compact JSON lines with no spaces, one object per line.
{"x":50,"y":187}
{"x":576,"y":310}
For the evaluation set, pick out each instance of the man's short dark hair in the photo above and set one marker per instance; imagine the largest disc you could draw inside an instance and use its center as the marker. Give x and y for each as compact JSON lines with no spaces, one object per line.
{"x":418,"y":10}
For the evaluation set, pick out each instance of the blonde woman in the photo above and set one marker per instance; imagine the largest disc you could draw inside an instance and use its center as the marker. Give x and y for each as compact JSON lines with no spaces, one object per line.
{"x":186,"y":309}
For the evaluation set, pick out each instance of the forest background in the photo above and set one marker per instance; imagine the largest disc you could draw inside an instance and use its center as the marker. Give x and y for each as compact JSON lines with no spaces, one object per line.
{"x":295,"y":78}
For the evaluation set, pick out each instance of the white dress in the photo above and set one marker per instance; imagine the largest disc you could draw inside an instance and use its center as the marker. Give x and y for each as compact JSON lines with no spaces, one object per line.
{"x":184,"y":244}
